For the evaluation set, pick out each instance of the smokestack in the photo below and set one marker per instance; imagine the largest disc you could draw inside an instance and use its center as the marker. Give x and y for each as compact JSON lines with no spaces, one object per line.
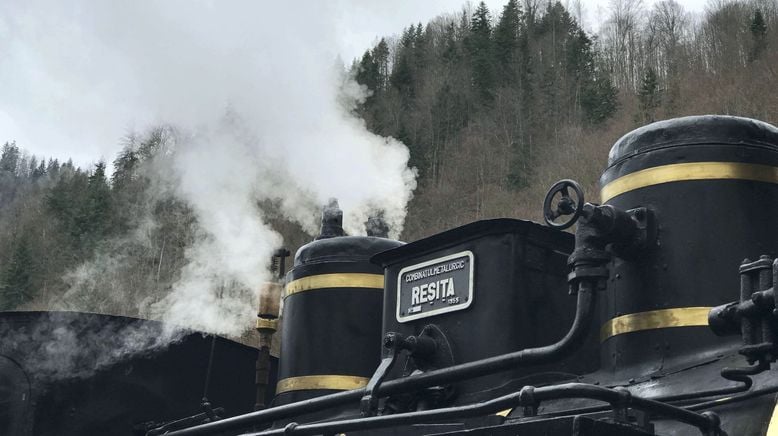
{"x":331,"y":221}
{"x":268,"y":310}
{"x":376,"y":225}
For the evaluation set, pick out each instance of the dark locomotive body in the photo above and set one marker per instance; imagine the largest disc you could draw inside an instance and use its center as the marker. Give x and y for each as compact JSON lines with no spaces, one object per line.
{"x":57,"y":377}
{"x":658,"y":317}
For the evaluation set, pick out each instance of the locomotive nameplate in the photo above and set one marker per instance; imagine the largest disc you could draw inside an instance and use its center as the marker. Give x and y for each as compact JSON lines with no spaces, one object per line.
{"x":436,"y":286}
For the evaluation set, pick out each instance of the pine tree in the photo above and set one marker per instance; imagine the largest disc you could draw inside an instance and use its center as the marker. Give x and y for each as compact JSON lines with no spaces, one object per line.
{"x":420,"y":47}
{"x":599,"y":100}
{"x":367,"y":72}
{"x":9,"y":165}
{"x":649,"y":96}
{"x":96,"y":217}
{"x":124,"y":168}
{"x":52,"y":167}
{"x":402,"y":75}
{"x":381,"y":60}
{"x":32,"y":165}
{"x":65,"y":202}
{"x":16,"y":279}
{"x":9,"y":159}
{"x":40,"y":171}
{"x":481,"y":54}
{"x":506,"y":41}
{"x":451,"y":52}
{"x":758,"y":31}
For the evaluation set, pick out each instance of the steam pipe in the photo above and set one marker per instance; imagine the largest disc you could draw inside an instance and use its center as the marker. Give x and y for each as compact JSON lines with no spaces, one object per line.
{"x":529,"y":396}
{"x":739,"y":374}
{"x":531,"y":356}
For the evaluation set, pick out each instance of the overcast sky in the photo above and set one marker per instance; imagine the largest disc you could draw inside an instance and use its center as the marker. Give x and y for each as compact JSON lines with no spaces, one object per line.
{"x":74,"y":78}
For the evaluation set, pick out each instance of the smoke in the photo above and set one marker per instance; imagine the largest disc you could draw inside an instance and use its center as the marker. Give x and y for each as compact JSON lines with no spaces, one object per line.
{"x":53,"y":346}
{"x":263,"y":110}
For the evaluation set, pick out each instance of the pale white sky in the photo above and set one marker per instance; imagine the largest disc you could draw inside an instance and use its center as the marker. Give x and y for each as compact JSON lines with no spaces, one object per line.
{"x":78,"y":75}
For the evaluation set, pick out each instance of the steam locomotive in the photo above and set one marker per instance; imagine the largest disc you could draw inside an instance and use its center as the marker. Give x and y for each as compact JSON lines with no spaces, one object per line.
{"x":659,"y":316}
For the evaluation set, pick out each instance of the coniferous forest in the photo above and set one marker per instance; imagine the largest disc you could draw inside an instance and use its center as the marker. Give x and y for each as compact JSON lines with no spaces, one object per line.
{"x":494,"y":105}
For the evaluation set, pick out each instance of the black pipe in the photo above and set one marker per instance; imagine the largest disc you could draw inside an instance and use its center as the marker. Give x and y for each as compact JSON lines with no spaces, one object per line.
{"x":623,"y":398}
{"x":739,"y":374}
{"x":735,"y":399}
{"x":529,"y":397}
{"x":470,"y":410}
{"x":584,"y":316}
{"x":184,"y":422}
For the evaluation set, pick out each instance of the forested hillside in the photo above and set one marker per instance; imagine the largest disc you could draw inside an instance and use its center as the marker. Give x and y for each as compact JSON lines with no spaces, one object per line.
{"x":493,"y":105}
{"x":497,"y":105}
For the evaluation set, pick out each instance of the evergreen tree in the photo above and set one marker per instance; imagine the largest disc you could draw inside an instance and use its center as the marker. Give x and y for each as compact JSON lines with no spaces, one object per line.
{"x":479,"y":45}
{"x":758,"y":31}
{"x":420,"y":48}
{"x":599,"y":100}
{"x":9,"y":163}
{"x":40,"y":170}
{"x":125,"y":168}
{"x":564,"y":63}
{"x":451,"y":52}
{"x":16,"y":278}
{"x":367,"y":72}
{"x":402,"y":75}
{"x":66,"y":202}
{"x":52,"y":167}
{"x":9,"y":159}
{"x":95,"y":215}
{"x":32,"y":165}
{"x":506,"y":41}
{"x":649,"y":96}
{"x":381,"y":61}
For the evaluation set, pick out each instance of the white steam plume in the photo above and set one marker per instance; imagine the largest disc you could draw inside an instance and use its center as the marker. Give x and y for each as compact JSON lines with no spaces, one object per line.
{"x":290,"y":133}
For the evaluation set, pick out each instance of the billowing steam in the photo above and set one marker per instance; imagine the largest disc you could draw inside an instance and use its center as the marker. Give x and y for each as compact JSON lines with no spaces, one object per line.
{"x":59,"y":345}
{"x":262,"y":113}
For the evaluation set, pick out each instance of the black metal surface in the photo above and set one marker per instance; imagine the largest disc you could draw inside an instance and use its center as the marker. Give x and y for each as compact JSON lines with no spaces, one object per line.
{"x":520,"y":297}
{"x":565,"y":426}
{"x":97,"y":394}
{"x":532,"y":356}
{"x":395,"y":343}
{"x":703,"y":130}
{"x":319,"y":325}
{"x":705,"y":228}
{"x":754,"y":316}
{"x":529,"y":396}
{"x":15,"y":398}
{"x":331,"y":221}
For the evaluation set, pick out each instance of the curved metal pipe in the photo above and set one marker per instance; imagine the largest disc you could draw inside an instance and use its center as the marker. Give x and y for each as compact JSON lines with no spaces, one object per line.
{"x":584,"y":316}
{"x":739,"y":374}
{"x":734,"y":399}
{"x":528,"y":396}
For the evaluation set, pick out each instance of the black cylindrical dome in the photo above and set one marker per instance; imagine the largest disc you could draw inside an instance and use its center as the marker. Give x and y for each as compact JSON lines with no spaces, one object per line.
{"x":712,"y":184}
{"x":332,"y":316}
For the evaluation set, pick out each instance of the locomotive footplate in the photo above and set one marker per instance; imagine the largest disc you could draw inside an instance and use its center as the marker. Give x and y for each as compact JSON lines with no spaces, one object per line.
{"x":562,"y":426}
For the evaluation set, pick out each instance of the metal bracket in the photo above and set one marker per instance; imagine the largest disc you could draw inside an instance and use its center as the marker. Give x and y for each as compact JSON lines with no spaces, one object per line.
{"x":423,"y":346}
{"x":432,"y":351}
{"x":369,"y":402}
{"x":644,"y":236}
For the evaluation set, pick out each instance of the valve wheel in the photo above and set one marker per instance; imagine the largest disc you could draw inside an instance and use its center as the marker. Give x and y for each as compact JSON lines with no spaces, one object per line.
{"x":565,"y":206}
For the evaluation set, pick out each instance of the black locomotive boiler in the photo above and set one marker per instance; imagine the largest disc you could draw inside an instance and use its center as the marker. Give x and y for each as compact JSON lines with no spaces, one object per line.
{"x":659,"y":316}
{"x":76,"y":374}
